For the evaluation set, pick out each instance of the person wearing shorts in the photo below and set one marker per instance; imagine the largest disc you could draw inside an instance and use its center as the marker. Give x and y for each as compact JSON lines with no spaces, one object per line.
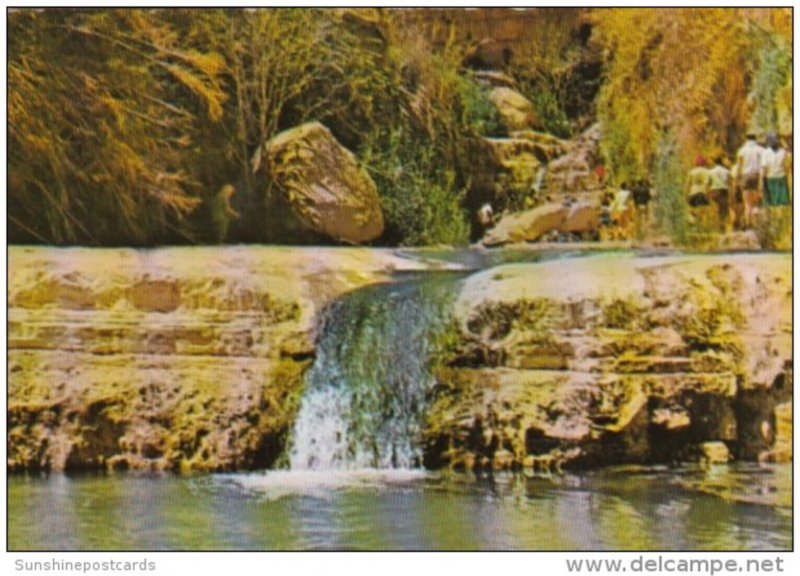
{"x":748,"y":162}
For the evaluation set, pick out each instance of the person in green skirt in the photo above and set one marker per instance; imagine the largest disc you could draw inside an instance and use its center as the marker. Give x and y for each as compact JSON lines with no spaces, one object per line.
{"x":774,"y":164}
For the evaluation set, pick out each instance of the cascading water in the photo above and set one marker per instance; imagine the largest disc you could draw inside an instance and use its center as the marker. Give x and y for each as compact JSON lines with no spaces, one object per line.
{"x":366,"y":394}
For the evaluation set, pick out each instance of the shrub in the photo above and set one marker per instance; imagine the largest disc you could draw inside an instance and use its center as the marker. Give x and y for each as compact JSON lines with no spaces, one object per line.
{"x":671,"y":210}
{"x":480,"y":115}
{"x":420,"y":201}
{"x":773,"y":226}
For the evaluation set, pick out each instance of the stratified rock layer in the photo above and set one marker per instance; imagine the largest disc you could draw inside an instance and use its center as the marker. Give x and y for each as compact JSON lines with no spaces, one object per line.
{"x":615,"y":359}
{"x":181,"y":359}
{"x":193,"y":358}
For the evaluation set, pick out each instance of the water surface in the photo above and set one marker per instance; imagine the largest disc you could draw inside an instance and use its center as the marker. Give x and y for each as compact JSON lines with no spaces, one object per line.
{"x":738,"y":507}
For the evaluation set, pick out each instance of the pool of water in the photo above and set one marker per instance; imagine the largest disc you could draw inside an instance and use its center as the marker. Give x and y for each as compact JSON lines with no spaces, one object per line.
{"x":741,"y":507}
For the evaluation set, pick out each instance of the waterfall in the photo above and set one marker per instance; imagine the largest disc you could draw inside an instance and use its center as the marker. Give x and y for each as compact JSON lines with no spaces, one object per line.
{"x":366,"y":394}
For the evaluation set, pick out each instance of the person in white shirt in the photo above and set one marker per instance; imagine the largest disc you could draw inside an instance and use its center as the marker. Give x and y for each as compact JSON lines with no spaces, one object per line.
{"x":748,"y":164}
{"x":486,"y":216}
{"x":774,"y":164}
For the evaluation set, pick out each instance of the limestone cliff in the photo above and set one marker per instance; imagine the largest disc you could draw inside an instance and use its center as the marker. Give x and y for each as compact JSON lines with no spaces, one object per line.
{"x":194,"y":358}
{"x":184,"y":358}
{"x":616,"y":359}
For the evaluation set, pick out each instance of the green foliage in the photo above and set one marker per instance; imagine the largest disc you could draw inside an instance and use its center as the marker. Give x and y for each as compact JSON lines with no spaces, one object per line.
{"x":102,"y":107}
{"x":546,"y":67}
{"x":687,"y":74}
{"x":480,"y":115}
{"x":420,"y":201}
{"x":550,"y":109}
{"x":773,"y":226}
{"x":772,"y":73}
{"x":671,"y":210}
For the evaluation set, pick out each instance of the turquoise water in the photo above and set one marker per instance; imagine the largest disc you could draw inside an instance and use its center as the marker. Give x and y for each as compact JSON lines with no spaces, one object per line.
{"x":743,"y":507}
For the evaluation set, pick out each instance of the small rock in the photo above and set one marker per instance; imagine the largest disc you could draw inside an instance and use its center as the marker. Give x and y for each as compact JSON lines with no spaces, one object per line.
{"x":671,"y":419}
{"x":494,"y":78}
{"x":715,"y":452}
{"x":516,"y":111}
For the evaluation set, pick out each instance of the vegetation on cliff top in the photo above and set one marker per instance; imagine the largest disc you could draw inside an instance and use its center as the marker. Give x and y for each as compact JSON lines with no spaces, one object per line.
{"x":124,"y":124}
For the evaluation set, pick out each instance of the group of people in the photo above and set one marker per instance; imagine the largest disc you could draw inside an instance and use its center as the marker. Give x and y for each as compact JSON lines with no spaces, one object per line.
{"x":758,"y":178}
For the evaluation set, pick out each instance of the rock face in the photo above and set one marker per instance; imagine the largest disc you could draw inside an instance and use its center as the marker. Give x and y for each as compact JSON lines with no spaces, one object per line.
{"x":322,"y":181}
{"x":194,"y":358}
{"x":541,"y":168}
{"x":516,"y":111}
{"x":579,"y":219}
{"x":179,"y":359}
{"x":574,"y":171}
{"x":595,"y":361}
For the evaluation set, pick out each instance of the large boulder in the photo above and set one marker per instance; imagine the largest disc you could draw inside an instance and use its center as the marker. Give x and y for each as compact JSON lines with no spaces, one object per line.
{"x":516,"y":111}
{"x":324,"y":185}
{"x":528,"y":225}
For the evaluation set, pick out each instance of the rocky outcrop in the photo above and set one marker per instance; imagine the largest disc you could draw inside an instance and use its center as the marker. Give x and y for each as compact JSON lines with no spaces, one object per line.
{"x":324,"y":185}
{"x":194,"y":358}
{"x":178,"y":359}
{"x":580,"y":219}
{"x":595,"y":361}
{"x":516,"y":111}
{"x":574,"y":171}
{"x":527,"y":226}
{"x":511,"y":171}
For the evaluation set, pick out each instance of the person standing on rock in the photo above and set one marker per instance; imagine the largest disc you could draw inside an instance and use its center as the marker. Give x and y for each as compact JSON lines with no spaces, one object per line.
{"x":620,"y":211}
{"x":774,"y":163}
{"x":749,"y":167}
{"x":720,"y":191}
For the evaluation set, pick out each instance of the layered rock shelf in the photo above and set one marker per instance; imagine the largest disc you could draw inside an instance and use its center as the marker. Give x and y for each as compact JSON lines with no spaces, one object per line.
{"x":194,"y":358}
{"x":179,"y":359}
{"x":616,"y":359}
